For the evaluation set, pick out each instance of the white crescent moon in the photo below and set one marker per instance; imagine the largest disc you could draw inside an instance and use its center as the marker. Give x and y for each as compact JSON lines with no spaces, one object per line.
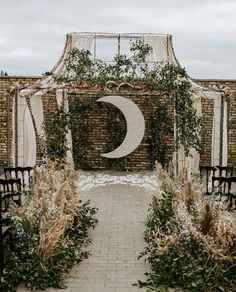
{"x":135,"y":125}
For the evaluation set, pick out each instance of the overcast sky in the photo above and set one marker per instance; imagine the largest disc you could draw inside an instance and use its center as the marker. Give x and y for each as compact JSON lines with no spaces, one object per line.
{"x":32,"y":32}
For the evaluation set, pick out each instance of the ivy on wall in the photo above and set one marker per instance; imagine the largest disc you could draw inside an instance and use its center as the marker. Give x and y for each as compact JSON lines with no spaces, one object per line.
{"x":161,"y":126}
{"x":174,"y":86}
{"x":167,"y":80}
{"x":78,"y":110}
{"x":55,"y":145}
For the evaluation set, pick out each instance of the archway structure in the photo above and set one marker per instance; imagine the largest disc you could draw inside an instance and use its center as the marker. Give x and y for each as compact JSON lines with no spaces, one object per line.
{"x":105,"y":46}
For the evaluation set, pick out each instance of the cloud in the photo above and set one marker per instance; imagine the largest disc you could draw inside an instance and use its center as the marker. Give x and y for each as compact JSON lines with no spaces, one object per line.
{"x":32,"y":33}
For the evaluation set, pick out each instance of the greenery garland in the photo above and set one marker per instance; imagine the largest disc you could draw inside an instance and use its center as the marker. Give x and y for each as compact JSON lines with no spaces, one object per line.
{"x":169,"y":81}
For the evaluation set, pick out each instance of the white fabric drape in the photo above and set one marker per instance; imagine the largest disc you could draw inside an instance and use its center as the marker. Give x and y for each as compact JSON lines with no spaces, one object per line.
{"x":29,"y":140}
{"x":37,"y":112}
{"x":26,"y":138}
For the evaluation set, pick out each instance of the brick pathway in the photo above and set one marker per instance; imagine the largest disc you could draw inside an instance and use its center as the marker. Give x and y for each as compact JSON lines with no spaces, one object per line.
{"x":117,"y":241}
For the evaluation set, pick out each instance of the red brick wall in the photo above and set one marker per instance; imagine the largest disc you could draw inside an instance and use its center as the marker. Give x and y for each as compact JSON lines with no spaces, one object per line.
{"x":139,"y":159}
{"x":97,"y":119}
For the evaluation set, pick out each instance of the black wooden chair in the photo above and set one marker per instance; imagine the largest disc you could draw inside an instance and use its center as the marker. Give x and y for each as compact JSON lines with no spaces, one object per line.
{"x":24,"y":173}
{"x":225,"y":187}
{"x":11,"y":189}
{"x":225,"y":171}
{"x":206,"y":173}
{"x":6,"y":230}
{"x":219,"y":186}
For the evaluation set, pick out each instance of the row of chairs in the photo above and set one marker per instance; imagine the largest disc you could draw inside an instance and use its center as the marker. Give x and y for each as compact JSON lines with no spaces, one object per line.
{"x":219,"y":181}
{"x":16,"y":181}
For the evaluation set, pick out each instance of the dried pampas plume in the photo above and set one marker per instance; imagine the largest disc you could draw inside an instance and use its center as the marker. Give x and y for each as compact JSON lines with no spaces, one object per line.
{"x":194,"y":217}
{"x":206,"y":219}
{"x":49,"y":238}
{"x":52,"y":205}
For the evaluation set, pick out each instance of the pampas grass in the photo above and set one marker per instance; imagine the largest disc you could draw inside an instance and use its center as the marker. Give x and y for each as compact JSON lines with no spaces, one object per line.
{"x":191,"y":240}
{"x":207,"y":221}
{"x":52,"y":205}
{"x":51,"y":230}
{"x":49,"y":237}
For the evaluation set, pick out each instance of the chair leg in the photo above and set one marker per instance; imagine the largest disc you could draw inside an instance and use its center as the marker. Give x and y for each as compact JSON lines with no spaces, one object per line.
{"x":11,"y":241}
{"x":1,"y":255}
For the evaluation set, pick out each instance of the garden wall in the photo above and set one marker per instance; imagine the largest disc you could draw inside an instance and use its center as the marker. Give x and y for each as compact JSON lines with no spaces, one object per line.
{"x":97,"y":120}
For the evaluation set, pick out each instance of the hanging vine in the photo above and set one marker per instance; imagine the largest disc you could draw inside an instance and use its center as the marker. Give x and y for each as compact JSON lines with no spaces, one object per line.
{"x":175,"y":86}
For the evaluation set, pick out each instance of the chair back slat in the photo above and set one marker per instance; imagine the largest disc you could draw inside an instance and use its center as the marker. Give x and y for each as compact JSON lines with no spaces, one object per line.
{"x":24,"y":173}
{"x":225,"y":170}
{"x":208,"y":172}
{"x":11,"y":188}
{"x":225,"y":187}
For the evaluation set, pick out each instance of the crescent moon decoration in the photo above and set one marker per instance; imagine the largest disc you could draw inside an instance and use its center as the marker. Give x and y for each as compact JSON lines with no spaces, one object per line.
{"x":135,"y":125}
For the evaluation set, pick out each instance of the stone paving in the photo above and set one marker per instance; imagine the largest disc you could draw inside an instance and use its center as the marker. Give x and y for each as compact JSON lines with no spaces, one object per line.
{"x":117,"y":241}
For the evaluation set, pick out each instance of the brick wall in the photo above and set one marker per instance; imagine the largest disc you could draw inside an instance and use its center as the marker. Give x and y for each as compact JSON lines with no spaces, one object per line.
{"x":207,"y":112}
{"x":139,"y":159}
{"x":96,"y":121}
{"x":231,"y":120}
{"x":6,"y":103}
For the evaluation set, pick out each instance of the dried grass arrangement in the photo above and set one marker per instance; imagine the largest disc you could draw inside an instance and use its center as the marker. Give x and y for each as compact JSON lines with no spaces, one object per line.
{"x":191,"y":241}
{"x":51,"y":230}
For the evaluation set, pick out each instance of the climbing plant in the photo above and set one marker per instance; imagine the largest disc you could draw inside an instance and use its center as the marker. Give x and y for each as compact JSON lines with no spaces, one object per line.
{"x":55,"y":146}
{"x":78,"y":110}
{"x":168,"y":80}
{"x":161,"y":126}
{"x":173,"y":83}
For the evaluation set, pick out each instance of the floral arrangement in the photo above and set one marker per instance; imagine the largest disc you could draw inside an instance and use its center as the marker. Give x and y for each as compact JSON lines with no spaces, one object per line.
{"x":191,"y":241}
{"x":51,"y":230}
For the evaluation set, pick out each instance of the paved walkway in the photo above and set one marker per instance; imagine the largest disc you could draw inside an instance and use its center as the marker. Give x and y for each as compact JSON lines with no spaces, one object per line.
{"x":117,"y":239}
